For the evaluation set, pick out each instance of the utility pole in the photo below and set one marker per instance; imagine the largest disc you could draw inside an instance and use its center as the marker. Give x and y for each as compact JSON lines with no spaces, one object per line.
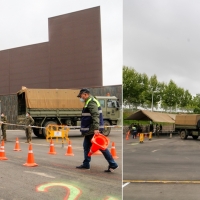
{"x":152,"y":101}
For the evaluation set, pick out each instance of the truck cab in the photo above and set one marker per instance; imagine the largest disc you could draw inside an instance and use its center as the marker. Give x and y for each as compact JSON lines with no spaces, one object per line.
{"x":111,"y":111}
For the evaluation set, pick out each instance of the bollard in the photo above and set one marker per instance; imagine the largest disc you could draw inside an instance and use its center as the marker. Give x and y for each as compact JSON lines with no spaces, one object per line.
{"x":170,"y":135}
{"x":141,"y":137}
{"x":150,"y":135}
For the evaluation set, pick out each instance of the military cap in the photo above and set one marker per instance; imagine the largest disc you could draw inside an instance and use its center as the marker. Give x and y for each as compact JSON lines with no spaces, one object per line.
{"x":83,"y":90}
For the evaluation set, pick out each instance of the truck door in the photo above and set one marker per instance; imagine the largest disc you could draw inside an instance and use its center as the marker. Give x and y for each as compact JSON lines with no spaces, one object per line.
{"x":103,"y":107}
{"x":112,"y":109}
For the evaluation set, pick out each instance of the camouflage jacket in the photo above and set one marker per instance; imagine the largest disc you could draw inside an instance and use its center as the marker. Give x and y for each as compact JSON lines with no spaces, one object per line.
{"x":29,"y":121}
{"x":4,"y":119}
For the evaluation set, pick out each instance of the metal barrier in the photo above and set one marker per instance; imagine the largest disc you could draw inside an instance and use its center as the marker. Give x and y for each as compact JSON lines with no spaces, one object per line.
{"x":57,"y":131}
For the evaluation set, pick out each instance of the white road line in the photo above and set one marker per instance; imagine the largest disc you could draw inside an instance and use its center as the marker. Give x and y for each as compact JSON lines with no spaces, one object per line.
{"x":125,"y":184}
{"x":155,"y":150}
{"x":157,"y":140}
{"x":40,"y":174}
{"x":133,"y":144}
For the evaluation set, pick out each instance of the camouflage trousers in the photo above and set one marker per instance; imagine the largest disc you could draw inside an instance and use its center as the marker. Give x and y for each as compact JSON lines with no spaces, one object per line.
{"x":28,"y":131}
{"x":3,"y":129}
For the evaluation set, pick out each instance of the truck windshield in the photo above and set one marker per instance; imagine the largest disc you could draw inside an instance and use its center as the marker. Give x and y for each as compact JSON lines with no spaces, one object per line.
{"x":102,"y":103}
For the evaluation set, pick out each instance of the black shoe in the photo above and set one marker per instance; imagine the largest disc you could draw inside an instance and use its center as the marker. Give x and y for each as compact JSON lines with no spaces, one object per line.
{"x":82,"y":167}
{"x":111,"y":169}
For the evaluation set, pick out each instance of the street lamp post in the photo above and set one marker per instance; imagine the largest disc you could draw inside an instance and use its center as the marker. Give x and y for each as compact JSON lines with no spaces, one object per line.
{"x":152,"y":101}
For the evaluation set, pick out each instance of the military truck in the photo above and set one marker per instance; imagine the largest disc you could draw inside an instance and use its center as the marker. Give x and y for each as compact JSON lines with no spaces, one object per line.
{"x":188,"y":125}
{"x":61,"y":107}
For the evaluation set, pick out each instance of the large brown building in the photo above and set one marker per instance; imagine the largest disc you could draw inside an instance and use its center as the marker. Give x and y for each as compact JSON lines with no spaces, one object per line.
{"x":71,"y":59}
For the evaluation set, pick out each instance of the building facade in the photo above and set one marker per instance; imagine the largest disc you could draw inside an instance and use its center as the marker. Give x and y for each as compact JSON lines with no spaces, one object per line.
{"x":71,"y":59}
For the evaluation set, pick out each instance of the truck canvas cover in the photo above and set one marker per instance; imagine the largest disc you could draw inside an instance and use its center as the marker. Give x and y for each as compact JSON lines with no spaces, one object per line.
{"x":187,"y":119}
{"x":51,"y":98}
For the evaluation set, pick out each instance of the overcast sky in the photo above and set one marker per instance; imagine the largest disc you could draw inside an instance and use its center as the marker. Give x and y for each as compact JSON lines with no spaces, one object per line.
{"x":25,"y":22}
{"x":162,"y":37}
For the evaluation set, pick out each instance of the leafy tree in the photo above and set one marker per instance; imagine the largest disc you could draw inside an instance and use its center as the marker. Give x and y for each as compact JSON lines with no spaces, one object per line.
{"x":155,"y":90}
{"x":196,"y":103}
{"x":170,"y":96}
{"x":138,"y":89}
{"x":134,"y":85}
{"x":185,"y":99}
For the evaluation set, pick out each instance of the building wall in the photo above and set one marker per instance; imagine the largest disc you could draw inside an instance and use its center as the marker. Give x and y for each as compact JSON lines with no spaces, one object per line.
{"x":9,"y":108}
{"x":113,"y":90}
{"x":75,"y":45}
{"x":71,"y":59}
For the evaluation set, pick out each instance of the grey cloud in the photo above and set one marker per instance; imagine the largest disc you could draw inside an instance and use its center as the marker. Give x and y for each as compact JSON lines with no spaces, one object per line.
{"x":162,"y":38}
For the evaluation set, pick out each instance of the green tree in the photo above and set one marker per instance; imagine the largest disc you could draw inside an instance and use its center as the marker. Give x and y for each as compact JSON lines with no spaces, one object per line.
{"x":154,"y":91}
{"x":134,"y":85}
{"x":185,"y":99}
{"x":170,"y":96}
{"x":196,"y":103}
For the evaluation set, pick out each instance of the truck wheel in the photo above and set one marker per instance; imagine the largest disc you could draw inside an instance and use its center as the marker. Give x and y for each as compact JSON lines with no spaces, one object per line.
{"x":46,"y":124}
{"x":183,"y":135}
{"x":198,"y":124}
{"x":106,"y":130}
{"x":195,"y":137}
{"x":37,"y":132}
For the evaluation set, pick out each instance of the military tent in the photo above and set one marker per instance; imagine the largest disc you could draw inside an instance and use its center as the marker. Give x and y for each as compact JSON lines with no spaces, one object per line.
{"x":158,"y":117}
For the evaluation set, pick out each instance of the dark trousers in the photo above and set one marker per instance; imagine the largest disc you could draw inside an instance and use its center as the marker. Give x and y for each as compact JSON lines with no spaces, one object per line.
{"x":134,"y":133}
{"x":86,"y":146}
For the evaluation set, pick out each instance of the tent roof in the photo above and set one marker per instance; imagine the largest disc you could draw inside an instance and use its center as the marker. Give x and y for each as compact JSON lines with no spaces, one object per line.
{"x":146,"y":115}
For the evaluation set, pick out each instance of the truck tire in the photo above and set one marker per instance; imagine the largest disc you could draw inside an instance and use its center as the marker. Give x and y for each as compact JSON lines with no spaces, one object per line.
{"x":37,"y":132}
{"x":198,"y":124}
{"x":45,"y":125}
{"x":183,"y":135}
{"x":195,"y":137}
{"x":106,"y":130}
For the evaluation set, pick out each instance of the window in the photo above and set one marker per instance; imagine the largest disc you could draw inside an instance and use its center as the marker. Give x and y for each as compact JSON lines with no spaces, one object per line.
{"x":102,"y":103}
{"x":110,"y":103}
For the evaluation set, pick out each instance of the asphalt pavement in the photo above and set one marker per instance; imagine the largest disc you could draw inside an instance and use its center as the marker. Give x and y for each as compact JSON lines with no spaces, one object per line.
{"x":56,"y":177}
{"x":162,"y":168}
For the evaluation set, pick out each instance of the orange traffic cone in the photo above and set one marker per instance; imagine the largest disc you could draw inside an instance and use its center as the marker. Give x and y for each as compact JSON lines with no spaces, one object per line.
{"x":2,"y":152}
{"x":98,"y":141}
{"x":113,"y":151}
{"x":97,"y":153}
{"x":69,"y":149}
{"x":30,"y":160}
{"x":52,"y":149}
{"x":17,"y":148}
{"x":127,"y":135}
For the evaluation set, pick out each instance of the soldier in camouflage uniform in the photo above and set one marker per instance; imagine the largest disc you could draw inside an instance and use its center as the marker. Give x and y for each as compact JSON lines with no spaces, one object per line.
{"x":3,"y":126}
{"x":29,"y":121}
